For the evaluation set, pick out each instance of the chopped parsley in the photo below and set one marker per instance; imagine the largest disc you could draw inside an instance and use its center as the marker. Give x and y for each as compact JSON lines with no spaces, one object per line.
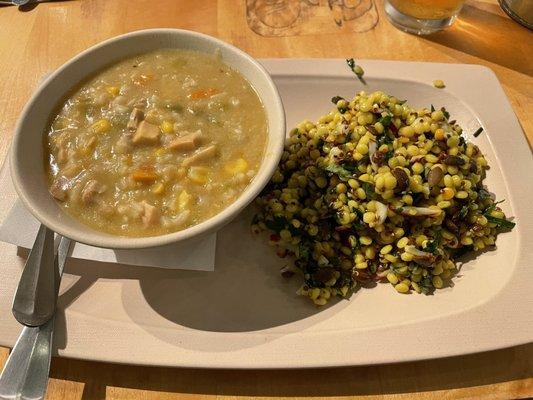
{"x":478,"y":131}
{"x":369,"y":190}
{"x":341,"y":171}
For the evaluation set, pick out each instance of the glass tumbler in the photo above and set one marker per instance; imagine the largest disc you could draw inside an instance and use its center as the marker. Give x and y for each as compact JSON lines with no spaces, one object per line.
{"x":422,"y":17}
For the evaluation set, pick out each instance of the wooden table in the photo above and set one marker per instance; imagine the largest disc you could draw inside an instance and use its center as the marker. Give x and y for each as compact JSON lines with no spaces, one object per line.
{"x":38,"y":39}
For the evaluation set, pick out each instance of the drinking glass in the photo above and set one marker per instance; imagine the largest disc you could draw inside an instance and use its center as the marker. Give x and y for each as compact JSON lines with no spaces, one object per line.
{"x":422,"y":17}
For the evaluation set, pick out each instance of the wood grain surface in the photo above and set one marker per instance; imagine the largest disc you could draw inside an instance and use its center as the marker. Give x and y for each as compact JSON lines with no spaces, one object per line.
{"x":37,"y":39}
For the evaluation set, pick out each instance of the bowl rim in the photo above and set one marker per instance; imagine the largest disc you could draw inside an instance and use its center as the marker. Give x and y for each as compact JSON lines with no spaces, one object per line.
{"x":105,"y":240}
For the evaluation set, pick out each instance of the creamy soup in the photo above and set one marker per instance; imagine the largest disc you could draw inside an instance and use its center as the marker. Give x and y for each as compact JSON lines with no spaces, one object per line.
{"x":156,"y":143}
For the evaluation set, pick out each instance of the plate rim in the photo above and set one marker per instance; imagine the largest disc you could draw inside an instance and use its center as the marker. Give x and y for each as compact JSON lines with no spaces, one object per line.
{"x":494,"y":312}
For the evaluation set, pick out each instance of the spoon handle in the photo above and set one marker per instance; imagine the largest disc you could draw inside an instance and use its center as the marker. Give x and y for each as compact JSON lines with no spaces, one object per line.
{"x":25,"y":375}
{"x":34,"y":302}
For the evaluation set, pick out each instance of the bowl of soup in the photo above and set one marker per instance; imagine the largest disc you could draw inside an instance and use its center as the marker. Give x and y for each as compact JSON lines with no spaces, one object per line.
{"x":148,"y":138}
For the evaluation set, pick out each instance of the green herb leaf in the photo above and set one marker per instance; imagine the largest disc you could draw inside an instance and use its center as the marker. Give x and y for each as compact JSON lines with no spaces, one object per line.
{"x":433,"y":245}
{"x":478,"y":131}
{"x":303,"y":251}
{"x":369,"y":190}
{"x":350,"y":166}
{"x":383,"y":139}
{"x":342,"y":172}
{"x":464,"y":211}
{"x":462,"y":251}
{"x":501,"y":222}
{"x":492,"y":207}
{"x":483,"y":194}
{"x":255,"y":219}
{"x":385,"y":120}
{"x":372,"y":268}
{"x":276,"y":224}
{"x":432,"y":108}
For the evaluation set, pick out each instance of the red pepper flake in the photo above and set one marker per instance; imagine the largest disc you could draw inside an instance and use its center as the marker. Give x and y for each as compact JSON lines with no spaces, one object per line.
{"x":275,"y":237}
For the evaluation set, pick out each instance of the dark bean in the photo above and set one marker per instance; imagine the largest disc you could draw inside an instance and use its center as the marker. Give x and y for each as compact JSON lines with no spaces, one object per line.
{"x":451,"y":225}
{"x":477,"y":228}
{"x":323,"y":275}
{"x":378,"y":158}
{"x":434,"y":176}
{"x":286,"y":272}
{"x":441,"y":145}
{"x":453,"y":160}
{"x":402,"y":180}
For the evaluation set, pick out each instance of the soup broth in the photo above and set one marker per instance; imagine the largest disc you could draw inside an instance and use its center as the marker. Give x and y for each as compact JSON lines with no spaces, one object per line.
{"x":156,"y":143}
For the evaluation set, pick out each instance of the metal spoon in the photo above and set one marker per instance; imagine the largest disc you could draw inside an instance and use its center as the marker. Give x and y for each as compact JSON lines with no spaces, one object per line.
{"x":34,"y":303}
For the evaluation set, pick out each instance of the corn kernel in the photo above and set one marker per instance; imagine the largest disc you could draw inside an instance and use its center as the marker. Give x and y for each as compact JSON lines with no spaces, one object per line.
{"x":444,"y":204}
{"x":237,"y":166}
{"x":402,"y":288}
{"x":198,"y":175}
{"x":386,"y":249}
{"x":391,"y":258}
{"x":392,"y":278}
{"x":113,"y":90}
{"x":437,"y":282}
{"x":369,"y":217}
{"x":101,"y":126}
{"x":402,"y":242}
{"x":461,"y":194}
{"x":184,"y":199}
{"x":285,"y":234}
{"x":370,"y":253}
{"x":160,"y":151}
{"x":447,"y":193}
{"x":406,"y":257}
{"x":437,"y":270}
{"x":167,"y":127}
{"x":417,"y":168}
{"x":439,"y":134}
{"x":439,"y":84}
{"x":362,"y":265}
{"x":365,"y":240}
{"x":390,"y":182}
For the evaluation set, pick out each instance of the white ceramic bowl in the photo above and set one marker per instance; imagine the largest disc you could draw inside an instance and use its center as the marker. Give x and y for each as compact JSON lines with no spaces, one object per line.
{"x":27,"y":152}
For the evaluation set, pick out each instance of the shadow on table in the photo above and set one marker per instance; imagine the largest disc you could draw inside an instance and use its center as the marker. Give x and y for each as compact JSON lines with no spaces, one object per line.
{"x":442,"y":374}
{"x":480,"y":32}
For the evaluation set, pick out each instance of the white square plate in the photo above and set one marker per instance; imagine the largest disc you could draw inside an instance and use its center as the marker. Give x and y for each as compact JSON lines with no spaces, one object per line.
{"x":244,"y":315}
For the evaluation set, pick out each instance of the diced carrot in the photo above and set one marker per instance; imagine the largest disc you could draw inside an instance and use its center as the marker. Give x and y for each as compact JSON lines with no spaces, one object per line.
{"x":144,"y":176}
{"x":203,"y":93}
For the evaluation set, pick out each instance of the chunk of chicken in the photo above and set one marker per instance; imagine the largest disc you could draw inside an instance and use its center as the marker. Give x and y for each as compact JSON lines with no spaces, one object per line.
{"x":201,"y":155}
{"x":62,"y":154}
{"x":186,"y":142}
{"x":146,"y":133}
{"x":59,"y":188}
{"x":91,"y":190}
{"x":136,"y":117}
{"x":71,"y":170}
{"x":150,"y":214}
